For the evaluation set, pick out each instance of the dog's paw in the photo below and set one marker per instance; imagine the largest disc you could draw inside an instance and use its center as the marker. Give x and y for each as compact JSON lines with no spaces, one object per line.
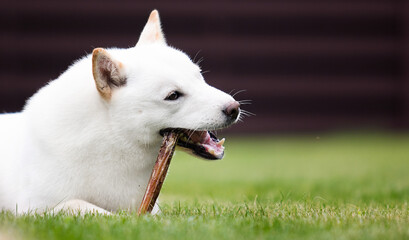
{"x":81,"y":207}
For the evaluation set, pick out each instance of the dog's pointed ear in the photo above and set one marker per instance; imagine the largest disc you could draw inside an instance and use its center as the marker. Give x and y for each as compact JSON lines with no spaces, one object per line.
{"x":152,"y":32}
{"x":108,"y":73}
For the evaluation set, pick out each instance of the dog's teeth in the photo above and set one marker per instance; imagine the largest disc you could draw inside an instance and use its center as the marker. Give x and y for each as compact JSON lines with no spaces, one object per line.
{"x":221,"y":142}
{"x":211,"y":151}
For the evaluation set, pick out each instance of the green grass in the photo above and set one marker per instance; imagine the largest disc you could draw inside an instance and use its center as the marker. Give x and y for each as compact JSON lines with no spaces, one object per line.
{"x":340,"y":186}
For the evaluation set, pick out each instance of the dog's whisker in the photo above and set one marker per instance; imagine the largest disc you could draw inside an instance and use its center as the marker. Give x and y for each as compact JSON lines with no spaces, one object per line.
{"x":232,"y":91}
{"x":201,"y":134}
{"x":199,"y":61}
{"x":240,"y":91}
{"x":194,"y":58}
{"x":247,"y":114}
{"x":191,"y":134}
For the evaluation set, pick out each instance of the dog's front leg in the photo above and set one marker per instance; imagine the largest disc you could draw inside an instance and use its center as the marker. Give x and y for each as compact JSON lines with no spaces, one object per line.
{"x":77,"y":206}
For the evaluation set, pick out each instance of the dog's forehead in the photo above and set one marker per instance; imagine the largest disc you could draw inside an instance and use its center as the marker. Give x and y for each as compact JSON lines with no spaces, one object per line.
{"x":155,"y":54}
{"x":160,"y":61}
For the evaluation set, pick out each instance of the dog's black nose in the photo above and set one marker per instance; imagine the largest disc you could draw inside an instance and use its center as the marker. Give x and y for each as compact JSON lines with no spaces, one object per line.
{"x":232,"y":111}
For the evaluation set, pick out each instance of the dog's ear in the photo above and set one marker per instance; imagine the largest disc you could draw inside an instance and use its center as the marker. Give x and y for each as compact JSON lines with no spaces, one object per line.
{"x":152,"y":32}
{"x":108,"y":73}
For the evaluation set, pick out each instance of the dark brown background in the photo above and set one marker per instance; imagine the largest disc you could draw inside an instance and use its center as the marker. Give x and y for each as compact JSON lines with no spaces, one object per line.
{"x":307,"y":65}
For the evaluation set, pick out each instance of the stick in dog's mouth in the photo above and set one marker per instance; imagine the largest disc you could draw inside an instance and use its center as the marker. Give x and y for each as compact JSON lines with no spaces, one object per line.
{"x":202,"y":143}
{"x":159,"y":171}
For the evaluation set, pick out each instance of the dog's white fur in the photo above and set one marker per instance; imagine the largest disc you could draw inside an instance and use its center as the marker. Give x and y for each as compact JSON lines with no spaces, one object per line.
{"x":85,"y":144}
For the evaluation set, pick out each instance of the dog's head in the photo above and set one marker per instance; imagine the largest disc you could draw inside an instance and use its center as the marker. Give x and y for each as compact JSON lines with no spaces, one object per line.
{"x":152,"y":88}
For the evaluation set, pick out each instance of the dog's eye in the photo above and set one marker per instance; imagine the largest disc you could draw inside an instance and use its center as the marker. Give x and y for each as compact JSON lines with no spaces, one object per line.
{"x":173,"y":96}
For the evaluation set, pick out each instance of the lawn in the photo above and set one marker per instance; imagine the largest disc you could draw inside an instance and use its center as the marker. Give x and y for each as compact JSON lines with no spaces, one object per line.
{"x":332,"y":186}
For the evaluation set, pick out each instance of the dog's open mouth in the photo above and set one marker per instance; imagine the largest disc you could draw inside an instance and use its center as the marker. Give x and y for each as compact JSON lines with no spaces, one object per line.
{"x":201,"y":143}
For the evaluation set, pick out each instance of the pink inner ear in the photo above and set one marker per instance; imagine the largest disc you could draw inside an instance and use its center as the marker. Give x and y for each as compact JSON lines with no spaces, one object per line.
{"x":109,"y":72}
{"x":104,"y":63}
{"x":105,"y":74}
{"x":105,"y":66}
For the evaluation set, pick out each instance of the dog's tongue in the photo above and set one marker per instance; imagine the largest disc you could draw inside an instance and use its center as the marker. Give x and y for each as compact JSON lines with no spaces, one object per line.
{"x":209,"y":142}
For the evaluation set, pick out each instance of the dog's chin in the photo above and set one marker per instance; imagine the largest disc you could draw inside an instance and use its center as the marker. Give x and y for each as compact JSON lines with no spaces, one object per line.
{"x":199,"y":143}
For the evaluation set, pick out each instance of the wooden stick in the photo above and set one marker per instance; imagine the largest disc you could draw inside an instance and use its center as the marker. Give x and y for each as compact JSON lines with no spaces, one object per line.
{"x":159,"y":172}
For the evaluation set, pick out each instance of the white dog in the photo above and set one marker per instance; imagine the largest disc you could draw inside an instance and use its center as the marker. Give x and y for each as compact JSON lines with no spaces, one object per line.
{"x":88,"y":140}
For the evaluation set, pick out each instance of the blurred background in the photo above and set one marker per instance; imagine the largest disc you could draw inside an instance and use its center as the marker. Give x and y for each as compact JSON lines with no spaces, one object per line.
{"x":306,"y":65}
